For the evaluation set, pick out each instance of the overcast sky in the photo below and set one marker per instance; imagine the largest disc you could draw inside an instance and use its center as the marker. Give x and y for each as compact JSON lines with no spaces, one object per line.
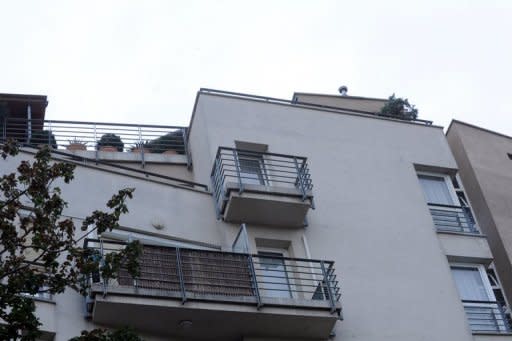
{"x":144,"y":61}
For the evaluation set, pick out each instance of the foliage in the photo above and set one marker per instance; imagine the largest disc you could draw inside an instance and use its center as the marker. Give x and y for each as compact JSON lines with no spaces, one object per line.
{"x":111,"y":140}
{"x":399,"y":108}
{"x":40,"y":137}
{"x":39,"y":247}
{"x":170,"y":141}
{"x":76,"y":140}
{"x":124,"y":334}
{"x":141,"y":145}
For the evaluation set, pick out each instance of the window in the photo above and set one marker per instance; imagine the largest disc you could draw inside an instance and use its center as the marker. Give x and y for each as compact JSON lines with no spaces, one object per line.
{"x":273,"y":279}
{"x":251,"y":168}
{"x":437,"y":189}
{"x":482,"y":310}
{"x":447,"y":204}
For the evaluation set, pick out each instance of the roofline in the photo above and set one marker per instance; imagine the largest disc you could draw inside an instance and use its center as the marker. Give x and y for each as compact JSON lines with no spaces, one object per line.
{"x":278,"y":101}
{"x":23,"y":98}
{"x":338,"y":96}
{"x":476,"y":127}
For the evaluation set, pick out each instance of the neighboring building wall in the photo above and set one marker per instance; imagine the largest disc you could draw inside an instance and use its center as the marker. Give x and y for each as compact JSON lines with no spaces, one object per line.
{"x":486,"y":171}
{"x":370,"y":218}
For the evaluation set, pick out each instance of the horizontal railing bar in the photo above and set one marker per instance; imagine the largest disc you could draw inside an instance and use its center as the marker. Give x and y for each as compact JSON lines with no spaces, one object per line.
{"x":445,"y":205}
{"x":262,"y":153}
{"x":302,"y":104}
{"x":115,"y":165}
{"x":12,"y":119}
{"x":327,"y":262}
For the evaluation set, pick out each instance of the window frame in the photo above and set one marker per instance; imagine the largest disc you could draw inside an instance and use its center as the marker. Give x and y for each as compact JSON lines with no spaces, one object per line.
{"x":448,"y":182}
{"x":267,"y":251}
{"x":500,"y":325}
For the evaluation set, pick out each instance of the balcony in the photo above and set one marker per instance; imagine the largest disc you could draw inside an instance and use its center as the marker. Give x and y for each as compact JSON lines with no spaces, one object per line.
{"x":200,"y":294}
{"x":449,"y":218}
{"x":261,"y":188}
{"x":102,"y":141}
{"x":487,"y":317}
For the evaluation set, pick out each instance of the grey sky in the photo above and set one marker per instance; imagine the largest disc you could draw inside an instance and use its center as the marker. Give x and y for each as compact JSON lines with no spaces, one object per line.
{"x":143,"y":61}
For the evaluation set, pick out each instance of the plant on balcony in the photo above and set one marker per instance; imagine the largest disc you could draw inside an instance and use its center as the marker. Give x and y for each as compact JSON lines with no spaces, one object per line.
{"x":76,"y":144}
{"x":170,"y":143}
{"x":41,"y":251}
{"x":43,"y":137}
{"x":110,"y":140}
{"x":139,"y":147}
{"x":399,"y":108}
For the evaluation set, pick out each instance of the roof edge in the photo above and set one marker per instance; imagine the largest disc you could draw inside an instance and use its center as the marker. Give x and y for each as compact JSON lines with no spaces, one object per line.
{"x":338,"y":96}
{"x":454,"y":121}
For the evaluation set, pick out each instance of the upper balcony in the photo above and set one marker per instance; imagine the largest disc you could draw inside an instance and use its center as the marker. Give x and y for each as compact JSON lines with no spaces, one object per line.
{"x":261,"y":188}
{"x":219,"y":295}
{"x":102,"y":141}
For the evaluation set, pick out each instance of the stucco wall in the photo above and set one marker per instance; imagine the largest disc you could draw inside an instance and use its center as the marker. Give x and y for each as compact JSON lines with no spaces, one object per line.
{"x":370,"y":217}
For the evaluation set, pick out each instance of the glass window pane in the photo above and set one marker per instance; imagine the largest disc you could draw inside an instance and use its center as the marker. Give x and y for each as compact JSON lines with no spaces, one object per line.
{"x":470,"y":284}
{"x":435,"y":190}
{"x":250,"y":169}
{"x":273,"y":279}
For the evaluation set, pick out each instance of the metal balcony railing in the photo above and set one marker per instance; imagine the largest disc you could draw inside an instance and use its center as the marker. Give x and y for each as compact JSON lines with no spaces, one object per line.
{"x":487,"y":316}
{"x":76,"y":135}
{"x":237,"y":168}
{"x":191,"y":274}
{"x":274,"y":100}
{"x":453,"y":218}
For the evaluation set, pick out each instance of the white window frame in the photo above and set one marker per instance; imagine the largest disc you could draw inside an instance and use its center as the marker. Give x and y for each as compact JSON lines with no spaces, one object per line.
{"x":488,"y":288}
{"x":252,"y":156}
{"x":449,"y":184}
{"x":284,"y":253}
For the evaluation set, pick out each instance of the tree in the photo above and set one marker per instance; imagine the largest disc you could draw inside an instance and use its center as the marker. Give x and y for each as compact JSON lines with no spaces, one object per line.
{"x":39,"y":248}
{"x":399,"y":108}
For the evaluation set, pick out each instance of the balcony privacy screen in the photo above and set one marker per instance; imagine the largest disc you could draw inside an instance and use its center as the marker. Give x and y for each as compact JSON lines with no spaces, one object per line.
{"x":203,"y":272}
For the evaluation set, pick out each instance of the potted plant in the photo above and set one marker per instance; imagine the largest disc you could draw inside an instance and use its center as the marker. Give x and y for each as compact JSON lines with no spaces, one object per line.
{"x":110,"y":143}
{"x":399,"y":108}
{"x":43,"y":137}
{"x":170,"y":143}
{"x":76,"y":144}
{"x":140,"y":147}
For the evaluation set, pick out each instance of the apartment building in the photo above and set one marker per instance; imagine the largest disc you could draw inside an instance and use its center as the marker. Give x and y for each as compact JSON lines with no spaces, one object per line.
{"x":484,"y":158}
{"x":269,"y":219}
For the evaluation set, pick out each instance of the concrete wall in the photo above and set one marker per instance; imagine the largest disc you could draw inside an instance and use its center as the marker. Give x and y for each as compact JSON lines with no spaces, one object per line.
{"x":486,"y":172}
{"x":370,"y":217}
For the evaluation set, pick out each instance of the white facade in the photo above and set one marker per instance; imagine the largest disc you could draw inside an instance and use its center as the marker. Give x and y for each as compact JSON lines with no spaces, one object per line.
{"x":402,"y":276}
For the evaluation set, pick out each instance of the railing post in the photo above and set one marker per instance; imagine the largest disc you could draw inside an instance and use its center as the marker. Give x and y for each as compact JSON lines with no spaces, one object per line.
{"x":217,"y":185}
{"x":102,"y":263}
{"x":506,"y":323}
{"x":4,"y":128}
{"x":96,"y":148}
{"x":141,"y":147}
{"x":259,"y":304}
{"x":180,"y":276}
{"x":29,"y":123}
{"x":299,"y":177}
{"x":50,"y":134}
{"x":185,"y":147}
{"x":469,"y":217}
{"x":329,"y":289}
{"x":237,"y":166}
